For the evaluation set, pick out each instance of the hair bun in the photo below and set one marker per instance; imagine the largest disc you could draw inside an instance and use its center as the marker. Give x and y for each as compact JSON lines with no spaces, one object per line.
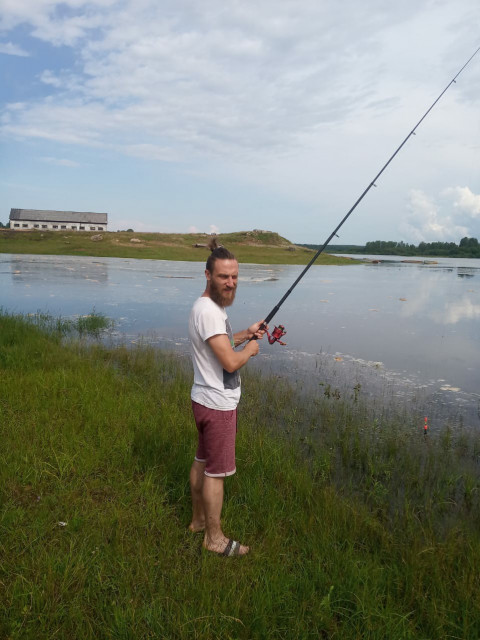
{"x":213,"y":244}
{"x":219,"y":252}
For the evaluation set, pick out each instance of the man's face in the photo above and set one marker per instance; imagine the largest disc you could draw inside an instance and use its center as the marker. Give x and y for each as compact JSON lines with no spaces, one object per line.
{"x":222,"y":282}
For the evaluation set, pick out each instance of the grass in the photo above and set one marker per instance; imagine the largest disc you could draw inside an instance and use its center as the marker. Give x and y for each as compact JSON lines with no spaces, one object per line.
{"x":92,"y":324}
{"x":358,"y":529}
{"x":259,"y":247}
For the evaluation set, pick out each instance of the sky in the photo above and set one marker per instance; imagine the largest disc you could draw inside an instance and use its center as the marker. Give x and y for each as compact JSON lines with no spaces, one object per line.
{"x":181,"y":116}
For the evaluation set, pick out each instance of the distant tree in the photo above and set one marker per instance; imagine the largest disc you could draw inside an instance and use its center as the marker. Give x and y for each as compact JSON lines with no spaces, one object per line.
{"x":469,"y":242}
{"x":130,"y":231}
{"x":468,"y":248}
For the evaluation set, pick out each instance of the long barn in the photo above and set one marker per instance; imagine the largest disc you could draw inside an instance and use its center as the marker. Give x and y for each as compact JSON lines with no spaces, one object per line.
{"x":24,"y":219}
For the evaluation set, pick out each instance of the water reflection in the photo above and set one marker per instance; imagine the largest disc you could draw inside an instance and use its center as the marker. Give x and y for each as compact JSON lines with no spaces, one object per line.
{"x":457,"y":311}
{"x":465,"y":272}
{"x":45,"y":269}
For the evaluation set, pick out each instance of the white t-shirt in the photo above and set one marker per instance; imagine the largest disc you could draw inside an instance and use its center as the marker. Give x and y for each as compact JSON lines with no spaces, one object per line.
{"x":213,"y":387}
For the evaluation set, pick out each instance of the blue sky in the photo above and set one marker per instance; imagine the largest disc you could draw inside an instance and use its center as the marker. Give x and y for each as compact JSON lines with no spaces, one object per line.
{"x":178,"y":116}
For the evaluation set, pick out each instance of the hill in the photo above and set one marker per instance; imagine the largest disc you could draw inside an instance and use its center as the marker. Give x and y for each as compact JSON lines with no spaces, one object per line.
{"x":257,"y":246}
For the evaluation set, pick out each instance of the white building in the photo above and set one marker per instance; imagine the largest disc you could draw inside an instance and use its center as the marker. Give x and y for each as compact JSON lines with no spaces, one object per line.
{"x":24,"y":219}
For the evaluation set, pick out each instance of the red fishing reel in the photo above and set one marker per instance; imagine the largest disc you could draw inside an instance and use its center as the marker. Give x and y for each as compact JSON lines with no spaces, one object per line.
{"x":276,"y":334}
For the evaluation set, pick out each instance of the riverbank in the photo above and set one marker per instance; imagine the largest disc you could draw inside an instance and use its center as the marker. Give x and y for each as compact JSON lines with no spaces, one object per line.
{"x":257,"y":247}
{"x":357,"y":529}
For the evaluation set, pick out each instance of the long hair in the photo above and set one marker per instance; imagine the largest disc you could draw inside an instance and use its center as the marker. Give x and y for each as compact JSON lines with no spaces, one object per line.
{"x":219,"y":252}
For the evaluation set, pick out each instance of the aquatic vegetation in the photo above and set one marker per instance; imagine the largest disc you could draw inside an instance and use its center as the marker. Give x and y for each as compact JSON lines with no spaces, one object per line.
{"x":92,"y":324}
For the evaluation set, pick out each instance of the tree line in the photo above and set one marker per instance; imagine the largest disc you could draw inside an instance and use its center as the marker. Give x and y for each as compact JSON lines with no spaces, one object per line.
{"x":467,"y":248}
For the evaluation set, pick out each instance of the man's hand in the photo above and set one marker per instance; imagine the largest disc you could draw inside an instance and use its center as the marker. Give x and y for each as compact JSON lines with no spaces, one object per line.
{"x":252,"y":333}
{"x":257,"y":330}
{"x":251,"y":348}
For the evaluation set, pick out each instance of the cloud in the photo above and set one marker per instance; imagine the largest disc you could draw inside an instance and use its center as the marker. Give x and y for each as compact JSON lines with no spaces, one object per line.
{"x":464,"y":200}
{"x":296,"y":100}
{"x":11,"y":49}
{"x":60,"y":162}
{"x":213,"y":229}
{"x":428,"y":221}
{"x":55,"y":21}
{"x":150,"y":152}
{"x":71,"y":122}
{"x":48,"y":77}
{"x":254,"y":80}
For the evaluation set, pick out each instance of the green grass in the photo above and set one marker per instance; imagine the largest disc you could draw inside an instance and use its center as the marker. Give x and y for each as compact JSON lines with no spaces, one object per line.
{"x":91,"y":324}
{"x":260,"y":247}
{"x":358,"y":528}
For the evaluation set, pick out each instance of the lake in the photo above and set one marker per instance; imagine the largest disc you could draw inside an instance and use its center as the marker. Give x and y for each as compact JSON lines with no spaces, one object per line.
{"x":406,"y":332}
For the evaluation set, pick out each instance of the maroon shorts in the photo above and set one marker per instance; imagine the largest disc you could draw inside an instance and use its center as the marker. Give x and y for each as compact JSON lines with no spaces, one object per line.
{"x":216,"y":440}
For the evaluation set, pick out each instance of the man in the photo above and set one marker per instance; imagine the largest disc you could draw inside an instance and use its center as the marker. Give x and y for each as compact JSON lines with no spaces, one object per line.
{"x":215,"y":395}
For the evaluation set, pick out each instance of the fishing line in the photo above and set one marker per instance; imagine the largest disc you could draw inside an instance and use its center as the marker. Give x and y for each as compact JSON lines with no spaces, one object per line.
{"x":372,"y":184}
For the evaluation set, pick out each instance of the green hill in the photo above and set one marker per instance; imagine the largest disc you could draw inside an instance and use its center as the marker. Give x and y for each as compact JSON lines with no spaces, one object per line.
{"x":257,"y":246}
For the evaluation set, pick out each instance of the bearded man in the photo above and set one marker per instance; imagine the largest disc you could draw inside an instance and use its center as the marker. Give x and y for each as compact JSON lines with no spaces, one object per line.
{"x":215,"y":396}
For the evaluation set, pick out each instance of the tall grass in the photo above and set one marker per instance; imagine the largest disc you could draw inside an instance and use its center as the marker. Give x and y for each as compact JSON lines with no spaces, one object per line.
{"x":357,"y":529}
{"x":91,"y":325}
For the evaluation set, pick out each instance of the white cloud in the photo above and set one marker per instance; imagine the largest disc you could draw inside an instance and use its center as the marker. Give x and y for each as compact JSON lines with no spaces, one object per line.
{"x":11,"y":49}
{"x":464,"y":200}
{"x":55,"y":21}
{"x":60,"y":162}
{"x":251,"y":80}
{"x":48,"y":77}
{"x":214,"y":228}
{"x":429,"y":222}
{"x":71,"y":122}
{"x":150,"y":152}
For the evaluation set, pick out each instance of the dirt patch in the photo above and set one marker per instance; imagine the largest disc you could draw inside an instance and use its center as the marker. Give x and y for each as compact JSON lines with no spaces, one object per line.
{"x":127,"y":244}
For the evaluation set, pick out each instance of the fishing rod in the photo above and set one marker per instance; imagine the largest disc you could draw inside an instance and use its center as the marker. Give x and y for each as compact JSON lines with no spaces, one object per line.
{"x":280,"y":330}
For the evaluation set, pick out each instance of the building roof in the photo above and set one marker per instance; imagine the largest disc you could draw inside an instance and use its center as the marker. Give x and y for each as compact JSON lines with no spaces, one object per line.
{"x":58,"y":216}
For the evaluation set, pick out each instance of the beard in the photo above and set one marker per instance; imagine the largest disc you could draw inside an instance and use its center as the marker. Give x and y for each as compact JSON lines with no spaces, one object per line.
{"x":222,"y":298}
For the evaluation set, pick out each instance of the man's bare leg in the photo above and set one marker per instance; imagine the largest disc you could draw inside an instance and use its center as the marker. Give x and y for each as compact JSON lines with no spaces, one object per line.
{"x":212,"y":494}
{"x":196,"y":487}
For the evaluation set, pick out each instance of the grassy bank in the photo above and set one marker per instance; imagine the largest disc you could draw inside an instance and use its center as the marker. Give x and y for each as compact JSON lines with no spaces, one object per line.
{"x":358,"y":529}
{"x":259,"y":247}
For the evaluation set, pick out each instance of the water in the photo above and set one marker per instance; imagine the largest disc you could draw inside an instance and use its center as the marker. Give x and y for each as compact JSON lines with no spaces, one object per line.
{"x":411,"y":331}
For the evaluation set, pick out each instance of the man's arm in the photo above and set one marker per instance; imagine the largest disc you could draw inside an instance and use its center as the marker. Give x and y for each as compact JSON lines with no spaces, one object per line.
{"x":229,"y":359}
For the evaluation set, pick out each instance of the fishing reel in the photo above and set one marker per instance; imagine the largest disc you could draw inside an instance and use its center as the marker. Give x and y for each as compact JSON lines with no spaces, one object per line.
{"x":276,"y":334}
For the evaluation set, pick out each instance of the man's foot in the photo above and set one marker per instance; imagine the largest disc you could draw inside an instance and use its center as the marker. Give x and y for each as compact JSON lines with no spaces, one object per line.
{"x":196,"y":527}
{"x":226,"y":547}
